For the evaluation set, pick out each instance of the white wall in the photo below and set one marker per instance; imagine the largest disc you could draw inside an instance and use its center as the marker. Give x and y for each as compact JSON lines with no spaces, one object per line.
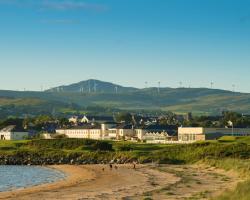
{"x":14,"y":135}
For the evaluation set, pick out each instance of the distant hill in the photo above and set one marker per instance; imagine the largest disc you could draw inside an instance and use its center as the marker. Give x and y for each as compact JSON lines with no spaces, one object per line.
{"x":92,"y":85}
{"x":108,"y":95}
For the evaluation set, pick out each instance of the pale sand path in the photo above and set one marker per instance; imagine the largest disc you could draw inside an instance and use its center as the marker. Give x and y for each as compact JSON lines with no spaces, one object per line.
{"x":91,"y":182}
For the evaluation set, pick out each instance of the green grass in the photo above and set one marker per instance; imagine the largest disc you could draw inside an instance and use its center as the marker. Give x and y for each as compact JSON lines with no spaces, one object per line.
{"x":21,"y":101}
{"x":14,"y":144}
{"x":229,"y":153}
{"x":235,"y":139}
{"x":242,"y":191}
{"x":161,"y":153}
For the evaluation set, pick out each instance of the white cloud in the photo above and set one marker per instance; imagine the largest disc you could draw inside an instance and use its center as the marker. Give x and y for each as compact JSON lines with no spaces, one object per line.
{"x":56,"y":4}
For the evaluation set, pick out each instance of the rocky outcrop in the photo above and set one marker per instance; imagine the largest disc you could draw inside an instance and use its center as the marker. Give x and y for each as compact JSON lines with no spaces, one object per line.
{"x":35,"y":160}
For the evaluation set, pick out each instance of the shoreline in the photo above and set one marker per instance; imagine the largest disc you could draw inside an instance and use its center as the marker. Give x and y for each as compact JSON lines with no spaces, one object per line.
{"x":73,"y":175}
{"x":92,"y":182}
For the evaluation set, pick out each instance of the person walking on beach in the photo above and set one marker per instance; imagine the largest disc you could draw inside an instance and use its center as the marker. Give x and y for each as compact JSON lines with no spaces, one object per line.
{"x":134,"y":165}
{"x":110,"y":166}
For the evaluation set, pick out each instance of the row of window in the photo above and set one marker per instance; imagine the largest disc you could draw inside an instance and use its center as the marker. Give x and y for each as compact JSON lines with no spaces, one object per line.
{"x":187,"y":137}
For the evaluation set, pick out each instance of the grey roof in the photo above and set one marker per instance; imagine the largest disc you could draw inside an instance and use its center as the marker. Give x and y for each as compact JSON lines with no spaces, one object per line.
{"x":11,"y":128}
{"x":125,"y":126}
{"x":83,"y":127}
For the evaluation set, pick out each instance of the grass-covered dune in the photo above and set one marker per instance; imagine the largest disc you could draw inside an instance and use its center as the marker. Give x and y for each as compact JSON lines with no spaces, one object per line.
{"x":84,"y":150}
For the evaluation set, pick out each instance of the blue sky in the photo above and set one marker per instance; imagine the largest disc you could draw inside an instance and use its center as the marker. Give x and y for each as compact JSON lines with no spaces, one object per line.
{"x":50,"y":42}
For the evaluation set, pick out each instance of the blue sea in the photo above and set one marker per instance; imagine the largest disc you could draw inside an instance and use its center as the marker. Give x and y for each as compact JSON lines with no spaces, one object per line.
{"x":17,"y":177}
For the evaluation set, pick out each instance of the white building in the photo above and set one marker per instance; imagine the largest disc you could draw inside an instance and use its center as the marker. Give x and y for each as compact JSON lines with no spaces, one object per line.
{"x":11,"y":133}
{"x":156,"y":132}
{"x":193,"y":134}
{"x":87,"y":132}
{"x":75,"y":132}
{"x":122,"y":131}
{"x":73,"y":119}
{"x":85,"y":120}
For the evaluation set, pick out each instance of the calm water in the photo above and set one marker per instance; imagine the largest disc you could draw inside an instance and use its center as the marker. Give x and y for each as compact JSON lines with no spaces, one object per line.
{"x":16,"y":177}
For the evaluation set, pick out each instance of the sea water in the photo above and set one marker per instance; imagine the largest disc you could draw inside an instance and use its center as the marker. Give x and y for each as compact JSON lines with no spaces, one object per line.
{"x":17,"y":177}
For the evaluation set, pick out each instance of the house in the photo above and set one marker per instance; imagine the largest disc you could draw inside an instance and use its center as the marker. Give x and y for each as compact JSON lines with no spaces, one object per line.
{"x":88,"y":131}
{"x":13,"y":133}
{"x":84,"y":120}
{"x":125,"y":131}
{"x":193,"y":134}
{"x":157,"y":132}
{"x":101,"y":119}
{"x":73,"y":120}
{"x":47,"y":136}
{"x":114,"y":131}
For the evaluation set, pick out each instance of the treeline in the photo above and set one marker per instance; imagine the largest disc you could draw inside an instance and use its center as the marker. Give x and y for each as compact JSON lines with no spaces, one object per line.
{"x":238,"y":120}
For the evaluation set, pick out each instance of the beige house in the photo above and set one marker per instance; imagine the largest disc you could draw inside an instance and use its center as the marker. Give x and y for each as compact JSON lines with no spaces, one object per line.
{"x":11,"y":133}
{"x":120,"y":132}
{"x":113,"y":133}
{"x":87,"y":132}
{"x":193,"y":134}
{"x":80,"y":132}
{"x":73,"y":119}
{"x":156,"y":133}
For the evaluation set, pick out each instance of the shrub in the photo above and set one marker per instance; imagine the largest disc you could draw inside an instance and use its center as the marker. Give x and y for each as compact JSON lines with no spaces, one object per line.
{"x":124,"y":147}
{"x":71,"y":144}
{"x":102,"y":146}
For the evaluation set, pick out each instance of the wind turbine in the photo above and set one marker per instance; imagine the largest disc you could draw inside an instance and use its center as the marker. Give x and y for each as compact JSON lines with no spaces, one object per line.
{"x":212,"y":85}
{"x":159,"y":86}
{"x":89,"y":86}
{"x":233,"y":86}
{"x":180,"y":84}
{"x":95,"y":86}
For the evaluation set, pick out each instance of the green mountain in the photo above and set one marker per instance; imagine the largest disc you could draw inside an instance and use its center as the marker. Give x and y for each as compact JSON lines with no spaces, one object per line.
{"x":108,"y":95}
{"x":92,"y":85}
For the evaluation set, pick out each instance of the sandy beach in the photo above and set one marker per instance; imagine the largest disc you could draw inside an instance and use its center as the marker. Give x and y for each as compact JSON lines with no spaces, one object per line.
{"x":164,"y":182}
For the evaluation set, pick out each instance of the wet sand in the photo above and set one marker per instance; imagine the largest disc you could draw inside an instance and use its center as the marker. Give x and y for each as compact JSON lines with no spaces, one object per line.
{"x":164,"y":182}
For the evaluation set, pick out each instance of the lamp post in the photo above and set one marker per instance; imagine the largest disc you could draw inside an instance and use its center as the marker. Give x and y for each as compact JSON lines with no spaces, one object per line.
{"x":232,"y":129}
{"x":230,"y":123}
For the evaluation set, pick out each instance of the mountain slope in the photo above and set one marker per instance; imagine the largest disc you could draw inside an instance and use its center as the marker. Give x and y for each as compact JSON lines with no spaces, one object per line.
{"x":92,"y":85}
{"x":196,"y":100}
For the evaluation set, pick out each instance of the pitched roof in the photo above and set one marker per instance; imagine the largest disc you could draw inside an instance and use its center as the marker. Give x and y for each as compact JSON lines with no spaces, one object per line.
{"x":125,"y":126}
{"x":12,"y":128}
